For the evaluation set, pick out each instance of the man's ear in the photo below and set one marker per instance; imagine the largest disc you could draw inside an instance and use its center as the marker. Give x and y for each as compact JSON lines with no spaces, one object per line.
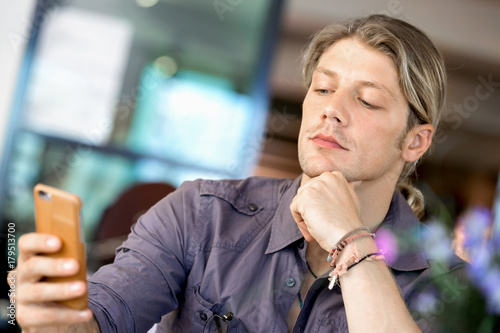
{"x":417,"y":141}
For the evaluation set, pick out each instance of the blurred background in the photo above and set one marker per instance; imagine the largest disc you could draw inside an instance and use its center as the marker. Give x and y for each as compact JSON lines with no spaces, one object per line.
{"x":97,"y":97}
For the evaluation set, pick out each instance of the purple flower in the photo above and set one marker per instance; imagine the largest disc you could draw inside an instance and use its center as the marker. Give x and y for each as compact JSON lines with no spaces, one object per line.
{"x":426,"y":302}
{"x":388,"y":244}
{"x":481,"y":262}
{"x":437,"y":241}
{"x":477,"y":222}
{"x":490,"y":286}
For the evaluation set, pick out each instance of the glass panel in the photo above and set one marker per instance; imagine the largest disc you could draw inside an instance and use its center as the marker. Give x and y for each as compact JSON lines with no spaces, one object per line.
{"x":92,"y":122}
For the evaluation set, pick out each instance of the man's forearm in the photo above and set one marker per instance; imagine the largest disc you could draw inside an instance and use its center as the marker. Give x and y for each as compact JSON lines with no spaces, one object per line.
{"x":372,"y":299}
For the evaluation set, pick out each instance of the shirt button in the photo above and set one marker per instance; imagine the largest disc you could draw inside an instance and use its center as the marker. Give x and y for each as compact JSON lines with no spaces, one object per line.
{"x":203,"y":316}
{"x":290,"y":282}
{"x":253,"y":207}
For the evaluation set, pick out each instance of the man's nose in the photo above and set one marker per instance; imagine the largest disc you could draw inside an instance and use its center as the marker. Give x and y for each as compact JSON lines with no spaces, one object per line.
{"x":336,"y":108}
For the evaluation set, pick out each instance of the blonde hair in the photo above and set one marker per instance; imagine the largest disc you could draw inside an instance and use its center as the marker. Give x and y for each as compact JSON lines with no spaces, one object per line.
{"x":421,"y":71}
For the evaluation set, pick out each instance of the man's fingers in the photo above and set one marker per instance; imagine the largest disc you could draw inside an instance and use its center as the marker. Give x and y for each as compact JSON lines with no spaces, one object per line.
{"x":33,"y":243}
{"x":305,"y":232}
{"x":299,"y":220}
{"x":50,"y":292}
{"x":294,"y":209}
{"x":35,"y":300}
{"x":40,"y":266}
{"x":51,"y":315}
{"x":295,"y":214}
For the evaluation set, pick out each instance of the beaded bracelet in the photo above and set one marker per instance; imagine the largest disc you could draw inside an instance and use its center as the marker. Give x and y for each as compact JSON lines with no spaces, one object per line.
{"x":332,"y":256}
{"x":344,"y":243}
{"x":341,"y":269}
{"x":350,"y":233}
{"x":368,"y":257}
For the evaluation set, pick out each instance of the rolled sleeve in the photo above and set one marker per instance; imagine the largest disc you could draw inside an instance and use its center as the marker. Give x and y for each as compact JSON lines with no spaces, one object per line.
{"x":150,"y":267}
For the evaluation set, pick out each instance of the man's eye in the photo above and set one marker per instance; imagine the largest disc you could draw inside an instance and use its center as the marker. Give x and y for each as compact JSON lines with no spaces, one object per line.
{"x":368,"y":105}
{"x":322,"y":91}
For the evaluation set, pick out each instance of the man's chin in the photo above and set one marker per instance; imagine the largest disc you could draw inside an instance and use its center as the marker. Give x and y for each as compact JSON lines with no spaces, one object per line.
{"x":313,"y":173}
{"x":317,"y":172}
{"x":313,"y":166}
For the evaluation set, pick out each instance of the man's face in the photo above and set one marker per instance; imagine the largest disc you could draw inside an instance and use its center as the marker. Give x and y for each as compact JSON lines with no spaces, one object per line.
{"x":354,"y":115}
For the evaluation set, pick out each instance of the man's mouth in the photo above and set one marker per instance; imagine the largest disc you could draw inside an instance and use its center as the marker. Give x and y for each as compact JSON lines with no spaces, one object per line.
{"x":326,"y":141}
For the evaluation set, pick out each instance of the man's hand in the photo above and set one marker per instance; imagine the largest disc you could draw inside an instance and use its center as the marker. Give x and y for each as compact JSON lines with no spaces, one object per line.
{"x":36,"y":310}
{"x":326,"y":208}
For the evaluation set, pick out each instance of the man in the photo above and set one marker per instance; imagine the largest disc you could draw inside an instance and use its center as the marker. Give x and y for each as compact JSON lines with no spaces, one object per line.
{"x":251,"y":255}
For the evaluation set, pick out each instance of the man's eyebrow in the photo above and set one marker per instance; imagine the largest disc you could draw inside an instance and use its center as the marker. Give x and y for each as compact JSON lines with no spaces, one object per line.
{"x":378,"y":86}
{"x":326,"y":71}
{"x":363,"y":83}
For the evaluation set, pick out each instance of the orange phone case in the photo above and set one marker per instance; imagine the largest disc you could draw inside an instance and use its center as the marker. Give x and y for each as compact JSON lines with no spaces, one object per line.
{"x":58,"y":213}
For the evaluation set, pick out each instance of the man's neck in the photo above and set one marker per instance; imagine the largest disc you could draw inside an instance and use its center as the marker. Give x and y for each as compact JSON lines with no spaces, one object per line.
{"x":375,"y":199}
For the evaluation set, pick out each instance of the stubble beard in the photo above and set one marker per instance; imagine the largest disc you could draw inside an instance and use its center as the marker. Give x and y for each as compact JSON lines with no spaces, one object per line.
{"x":313,"y":171}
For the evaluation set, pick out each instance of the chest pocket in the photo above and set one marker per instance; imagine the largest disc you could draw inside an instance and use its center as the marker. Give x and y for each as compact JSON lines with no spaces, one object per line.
{"x":228,"y":219}
{"x":199,"y":315}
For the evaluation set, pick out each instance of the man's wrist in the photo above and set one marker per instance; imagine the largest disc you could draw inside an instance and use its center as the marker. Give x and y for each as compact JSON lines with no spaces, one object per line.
{"x":337,"y":236}
{"x":345,"y":240}
{"x":364,"y":246}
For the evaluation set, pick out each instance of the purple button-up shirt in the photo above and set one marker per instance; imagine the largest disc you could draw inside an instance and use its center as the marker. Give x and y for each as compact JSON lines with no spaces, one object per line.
{"x":214,"y":247}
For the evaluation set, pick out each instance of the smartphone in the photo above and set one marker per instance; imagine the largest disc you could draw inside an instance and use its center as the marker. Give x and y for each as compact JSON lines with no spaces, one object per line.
{"x":58,"y":213}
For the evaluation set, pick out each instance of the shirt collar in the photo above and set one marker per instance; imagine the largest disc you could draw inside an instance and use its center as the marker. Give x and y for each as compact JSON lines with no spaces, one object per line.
{"x":284,"y":230}
{"x":398,"y":234}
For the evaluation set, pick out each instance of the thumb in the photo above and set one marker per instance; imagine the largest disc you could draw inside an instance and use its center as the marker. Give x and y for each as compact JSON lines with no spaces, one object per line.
{"x":355,"y":184}
{"x":305,"y":231}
